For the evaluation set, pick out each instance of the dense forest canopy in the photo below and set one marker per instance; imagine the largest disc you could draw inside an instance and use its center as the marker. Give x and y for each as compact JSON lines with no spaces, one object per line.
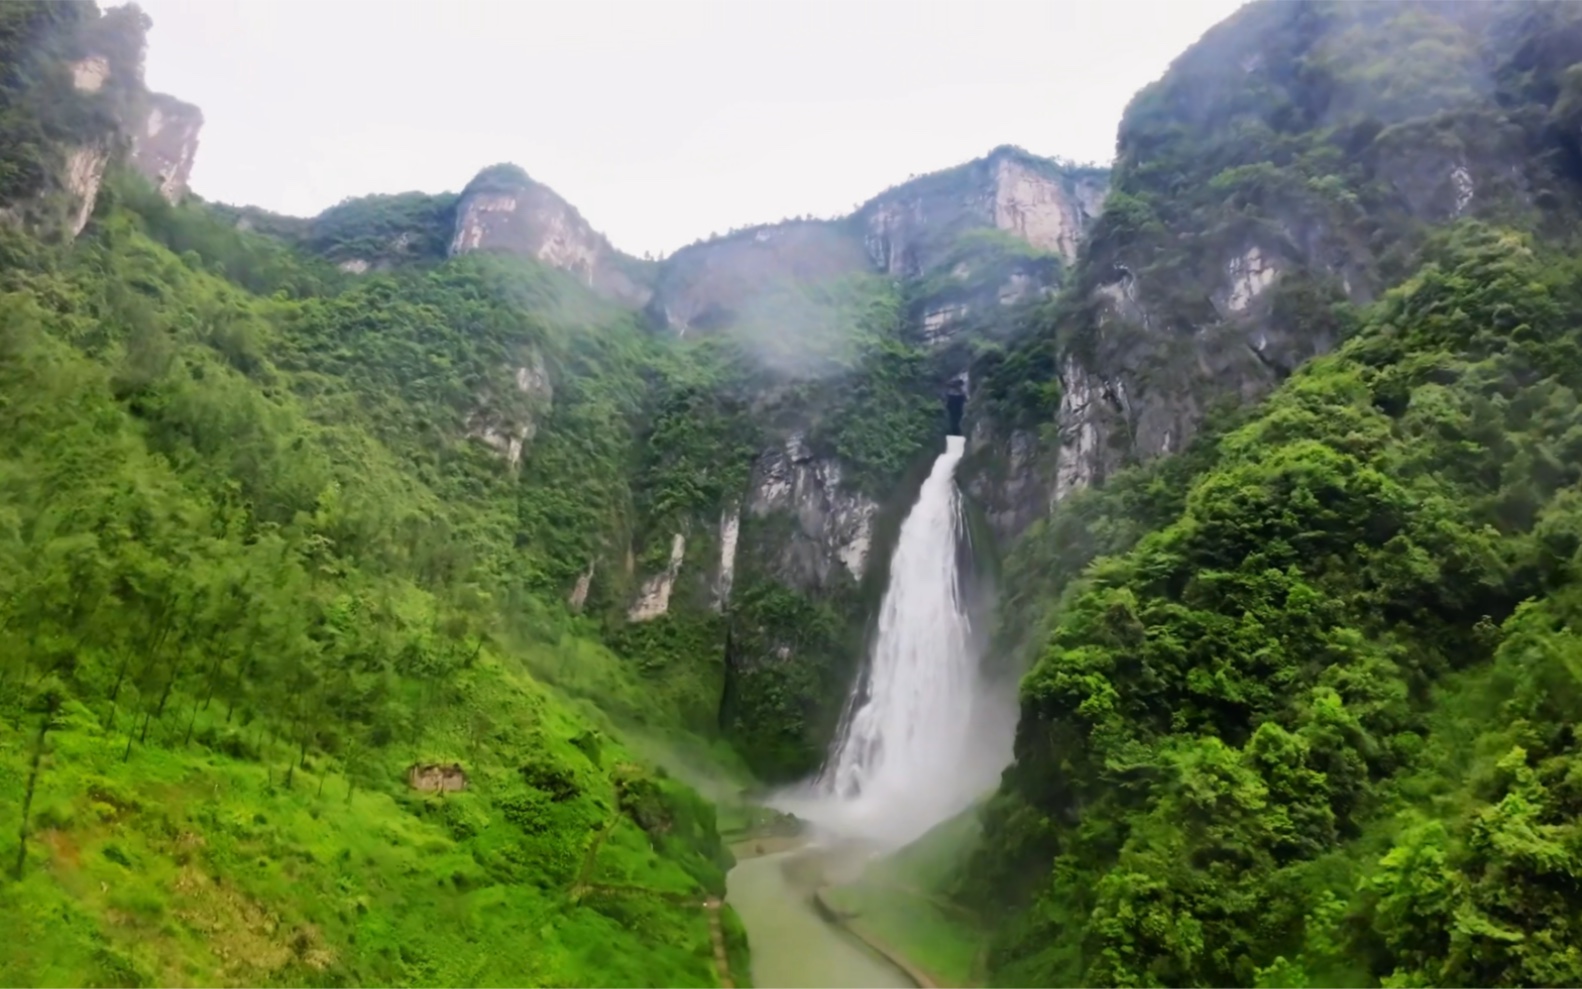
{"x":245,"y":588}
{"x":1317,"y":725}
{"x":1301,"y":707}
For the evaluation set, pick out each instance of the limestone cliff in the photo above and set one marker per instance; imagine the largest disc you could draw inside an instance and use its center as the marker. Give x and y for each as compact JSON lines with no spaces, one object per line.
{"x":925,"y":230}
{"x":726,"y":282}
{"x":1252,"y":196}
{"x":972,"y":250}
{"x":909,"y":230}
{"x":833,"y":525}
{"x":165,"y":143}
{"x":79,"y":75}
{"x":504,"y":210}
{"x":83,"y":175}
{"x":507,"y":424}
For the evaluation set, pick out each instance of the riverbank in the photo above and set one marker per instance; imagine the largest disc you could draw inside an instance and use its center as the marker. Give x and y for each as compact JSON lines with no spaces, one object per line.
{"x":850,"y":923}
{"x":937,"y":943}
{"x":792,"y":941}
{"x":893,"y":902}
{"x":878,"y":905}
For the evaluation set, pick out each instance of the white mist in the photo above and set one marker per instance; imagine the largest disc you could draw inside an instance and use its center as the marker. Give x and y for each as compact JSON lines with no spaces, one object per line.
{"x":926,"y":738}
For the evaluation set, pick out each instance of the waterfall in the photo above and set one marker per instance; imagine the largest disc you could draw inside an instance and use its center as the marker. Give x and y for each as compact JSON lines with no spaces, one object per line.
{"x":922,"y":737}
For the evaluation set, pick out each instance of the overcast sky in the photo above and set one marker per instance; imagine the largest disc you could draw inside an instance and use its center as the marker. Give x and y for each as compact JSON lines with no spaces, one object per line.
{"x":661,"y":121}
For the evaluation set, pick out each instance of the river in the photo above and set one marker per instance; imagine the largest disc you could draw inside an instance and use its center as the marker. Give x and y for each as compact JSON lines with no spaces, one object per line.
{"x":792,"y":945}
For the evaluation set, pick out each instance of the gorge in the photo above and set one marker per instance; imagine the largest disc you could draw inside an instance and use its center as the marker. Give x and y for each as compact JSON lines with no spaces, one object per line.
{"x":1172,"y":568}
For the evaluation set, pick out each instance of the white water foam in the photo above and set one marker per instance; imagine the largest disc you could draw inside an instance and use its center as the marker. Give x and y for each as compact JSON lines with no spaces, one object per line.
{"x":923,"y":738}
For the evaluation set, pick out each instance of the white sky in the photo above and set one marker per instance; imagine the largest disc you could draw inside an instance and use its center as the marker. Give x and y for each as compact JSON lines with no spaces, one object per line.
{"x":661,"y":121}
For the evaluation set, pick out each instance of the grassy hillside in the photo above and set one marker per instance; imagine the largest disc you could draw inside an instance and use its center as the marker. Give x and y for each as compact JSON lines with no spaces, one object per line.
{"x":255,"y":569}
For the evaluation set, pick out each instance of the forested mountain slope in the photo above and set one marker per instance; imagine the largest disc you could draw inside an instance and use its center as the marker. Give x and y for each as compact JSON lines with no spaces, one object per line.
{"x":1303,"y":701}
{"x":357,"y":571}
{"x":289,"y":690}
{"x":1323,"y":710}
{"x":250,"y":580}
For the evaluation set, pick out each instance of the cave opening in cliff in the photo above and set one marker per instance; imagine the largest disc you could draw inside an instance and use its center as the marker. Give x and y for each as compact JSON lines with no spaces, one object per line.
{"x":955,"y":403}
{"x":953,"y":409}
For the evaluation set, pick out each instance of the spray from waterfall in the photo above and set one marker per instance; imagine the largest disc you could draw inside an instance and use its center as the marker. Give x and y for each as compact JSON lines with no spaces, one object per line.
{"x":923,"y":737}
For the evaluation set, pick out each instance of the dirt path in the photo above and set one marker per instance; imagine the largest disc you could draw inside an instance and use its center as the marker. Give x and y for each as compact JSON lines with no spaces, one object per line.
{"x":722,"y":962}
{"x":711,"y":906}
{"x":590,"y":858}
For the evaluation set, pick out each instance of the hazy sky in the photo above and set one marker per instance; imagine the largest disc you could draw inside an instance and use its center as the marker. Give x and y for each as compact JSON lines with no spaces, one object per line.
{"x":661,"y":121}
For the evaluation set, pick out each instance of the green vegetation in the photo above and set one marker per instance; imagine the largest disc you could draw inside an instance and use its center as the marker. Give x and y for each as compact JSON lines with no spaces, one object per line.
{"x":377,"y":232}
{"x":792,"y":658}
{"x":43,"y":116}
{"x":256,"y":569}
{"x":186,"y":862}
{"x":1298,"y":710}
{"x":1306,"y":730}
{"x":315,"y":663}
{"x":1327,"y":124}
{"x":387,"y":230}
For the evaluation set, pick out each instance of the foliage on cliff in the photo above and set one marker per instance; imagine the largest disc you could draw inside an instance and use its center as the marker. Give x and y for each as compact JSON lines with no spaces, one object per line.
{"x":1318,"y":724}
{"x":44,"y":116}
{"x":826,"y":368}
{"x":1331,"y":133}
{"x":254,"y":569}
{"x":1319,"y":142}
{"x":1301,"y":709}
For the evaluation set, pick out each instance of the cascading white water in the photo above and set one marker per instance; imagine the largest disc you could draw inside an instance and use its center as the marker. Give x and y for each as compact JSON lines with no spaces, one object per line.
{"x":920,"y":743}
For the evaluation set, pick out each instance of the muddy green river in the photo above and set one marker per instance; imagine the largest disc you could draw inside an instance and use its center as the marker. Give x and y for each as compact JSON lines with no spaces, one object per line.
{"x":791,"y":944}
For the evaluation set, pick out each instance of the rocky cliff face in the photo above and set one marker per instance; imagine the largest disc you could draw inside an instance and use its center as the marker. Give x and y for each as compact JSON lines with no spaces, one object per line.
{"x":974,"y":247}
{"x":84,"y":174}
{"x":1218,"y":271}
{"x":165,"y":143}
{"x":508,"y":426}
{"x":504,"y":210}
{"x":913,"y":231}
{"x":730,"y":281}
{"x":833,"y":525}
{"x":94,"y":110}
{"x":910,"y":230}
{"x":653,"y":598}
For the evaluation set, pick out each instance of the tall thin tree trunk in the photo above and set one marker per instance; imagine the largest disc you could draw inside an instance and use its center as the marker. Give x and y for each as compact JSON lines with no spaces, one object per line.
{"x":150,"y":642}
{"x":242,"y":671}
{"x":170,"y":684}
{"x":213,"y":677}
{"x":32,"y":783}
